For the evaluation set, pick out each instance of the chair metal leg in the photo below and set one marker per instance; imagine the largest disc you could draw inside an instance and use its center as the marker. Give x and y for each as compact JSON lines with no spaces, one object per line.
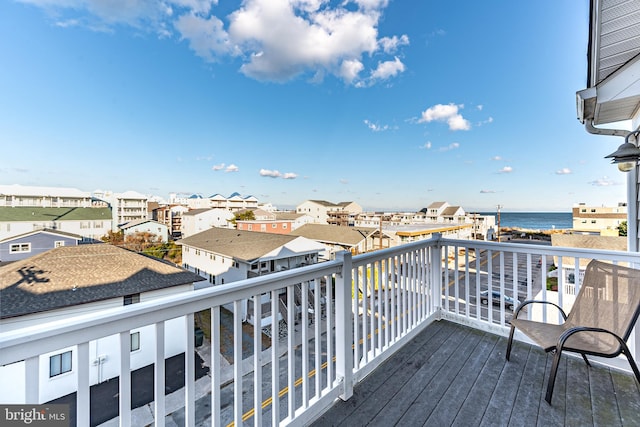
{"x":552,"y":374}
{"x":510,"y":342}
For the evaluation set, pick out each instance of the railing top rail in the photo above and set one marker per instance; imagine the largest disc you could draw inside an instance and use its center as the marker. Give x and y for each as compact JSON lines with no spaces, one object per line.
{"x":19,"y":344}
{"x":602,"y":254}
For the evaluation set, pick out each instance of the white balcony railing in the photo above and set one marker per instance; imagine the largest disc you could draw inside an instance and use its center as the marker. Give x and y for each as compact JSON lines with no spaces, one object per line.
{"x":338,"y":321}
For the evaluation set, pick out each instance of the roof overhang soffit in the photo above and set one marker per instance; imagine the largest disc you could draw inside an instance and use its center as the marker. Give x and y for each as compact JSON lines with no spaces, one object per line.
{"x":619,"y":90}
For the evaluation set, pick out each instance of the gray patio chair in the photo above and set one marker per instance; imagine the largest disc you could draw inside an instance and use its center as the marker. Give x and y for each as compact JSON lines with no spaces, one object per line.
{"x":599,"y":324}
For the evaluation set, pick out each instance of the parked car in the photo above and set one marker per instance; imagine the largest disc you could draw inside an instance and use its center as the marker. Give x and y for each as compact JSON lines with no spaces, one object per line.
{"x":509,"y":302}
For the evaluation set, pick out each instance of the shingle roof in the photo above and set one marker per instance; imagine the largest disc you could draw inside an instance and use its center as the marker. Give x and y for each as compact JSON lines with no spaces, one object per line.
{"x":138,"y":222}
{"x":53,"y":214}
{"x":284,"y":216}
{"x":333,"y":234}
{"x":239,"y":244}
{"x":72,"y":275}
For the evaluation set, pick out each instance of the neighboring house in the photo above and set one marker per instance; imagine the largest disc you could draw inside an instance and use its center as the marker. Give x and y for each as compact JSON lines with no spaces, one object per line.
{"x":276,"y":222}
{"x":224,"y":256}
{"x":198,"y":220}
{"x":146,"y":226}
{"x":70,"y":281}
{"x":34,"y":243}
{"x":234,"y":202}
{"x":613,"y":243}
{"x":600,"y":220}
{"x":90,"y":223}
{"x":319,"y":210}
{"x":337,"y":239}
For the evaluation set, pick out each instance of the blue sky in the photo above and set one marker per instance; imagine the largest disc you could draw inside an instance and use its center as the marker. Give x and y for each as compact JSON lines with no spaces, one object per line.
{"x":391,"y":104}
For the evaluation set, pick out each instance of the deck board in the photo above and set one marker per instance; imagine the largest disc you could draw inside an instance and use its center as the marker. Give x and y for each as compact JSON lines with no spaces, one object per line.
{"x":455,"y":375}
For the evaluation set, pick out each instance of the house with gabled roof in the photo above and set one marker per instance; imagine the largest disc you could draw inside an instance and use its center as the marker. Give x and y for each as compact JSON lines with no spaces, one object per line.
{"x":90,"y":223}
{"x":222,"y":256}
{"x":34,"y":243}
{"x":71,"y":281}
{"x":337,"y":238}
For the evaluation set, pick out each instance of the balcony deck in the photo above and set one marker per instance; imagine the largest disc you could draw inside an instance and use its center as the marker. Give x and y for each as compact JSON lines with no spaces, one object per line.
{"x":455,"y":375}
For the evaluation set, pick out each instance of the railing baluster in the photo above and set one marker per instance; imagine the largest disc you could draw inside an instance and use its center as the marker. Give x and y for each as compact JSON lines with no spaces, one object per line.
{"x":190,"y":373}
{"x":304,"y":325}
{"x":257,"y":359}
{"x":275,"y":358}
{"x":159,"y":375}
{"x":215,"y":366}
{"x":83,"y":413}
{"x":125,"y":379}
{"x":32,"y":380}
{"x":317,"y":335}
{"x":237,"y":363}
{"x":291,"y":371}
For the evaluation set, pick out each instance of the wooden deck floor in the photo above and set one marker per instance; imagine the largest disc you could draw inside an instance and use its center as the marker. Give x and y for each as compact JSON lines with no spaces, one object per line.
{"x":454,"y":375}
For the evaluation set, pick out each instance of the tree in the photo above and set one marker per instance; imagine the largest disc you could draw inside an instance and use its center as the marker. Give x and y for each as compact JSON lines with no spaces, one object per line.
{"x":246,"y":215}
{"x":622,"y":228}
{"x":115,"y":238}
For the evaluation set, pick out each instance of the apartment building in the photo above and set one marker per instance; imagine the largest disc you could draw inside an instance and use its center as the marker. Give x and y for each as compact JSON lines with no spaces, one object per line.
{"x":602,"y":220}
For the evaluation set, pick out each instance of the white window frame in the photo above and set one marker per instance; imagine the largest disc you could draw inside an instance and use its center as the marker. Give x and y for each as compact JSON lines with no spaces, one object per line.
{"x":58,"y":243}
{"x":134,"y":341}
{"x":18,"y":248}
{"x":60,"y":364}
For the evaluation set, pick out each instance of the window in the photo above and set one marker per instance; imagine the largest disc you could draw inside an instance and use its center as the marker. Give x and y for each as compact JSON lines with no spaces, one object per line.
{"x":250,"y":227}
{"x":58,"y":243}
{"x":212,"y":279}
{"x":20,"y":247}
{"x":135,"y":341}
{"x":197,"y":252}
{"x":284,"y":226}
{"x":131,"y":299}
{"x":263,"y":227}
{"x":59,"y":364}
{"x":274,"y":225}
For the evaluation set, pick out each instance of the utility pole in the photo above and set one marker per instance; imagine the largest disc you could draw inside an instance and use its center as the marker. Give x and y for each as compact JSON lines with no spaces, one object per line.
{"x":499,"y":207}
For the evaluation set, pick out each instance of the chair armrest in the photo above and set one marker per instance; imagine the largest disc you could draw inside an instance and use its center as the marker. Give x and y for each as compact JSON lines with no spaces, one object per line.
{"x":532,"y":301}
{"x":577,"y":329}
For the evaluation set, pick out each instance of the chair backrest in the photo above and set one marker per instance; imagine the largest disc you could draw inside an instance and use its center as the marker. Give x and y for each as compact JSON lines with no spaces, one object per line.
{"x":609,"y":299}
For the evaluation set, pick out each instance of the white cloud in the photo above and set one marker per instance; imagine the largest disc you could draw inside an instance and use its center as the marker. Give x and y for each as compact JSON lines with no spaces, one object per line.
{"x":206,"y":36}
{"x":232,"y":168}
{"x":344,"y":181}
{"x":426,"y":146}
{"x":276,"y":40}
{"x":497,"y":158}
{"x":446,"y":113}
{"x":391,"y":44}
{"x":218,"y":167}
{"x":276,"y":174}
{"x":387,"y":69}
{"x":270,"y":173}
{"x":604,"y":182}
{"x":506,"y":169}
{"x":449,"y":147}
{"x":487,"y":191}
{"x":563,"y":171}
{"x":375,"y":127}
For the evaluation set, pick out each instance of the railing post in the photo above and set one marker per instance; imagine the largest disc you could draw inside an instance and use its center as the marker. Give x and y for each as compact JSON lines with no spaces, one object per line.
{"x":344,"y":325}
{"x":436,"y":275}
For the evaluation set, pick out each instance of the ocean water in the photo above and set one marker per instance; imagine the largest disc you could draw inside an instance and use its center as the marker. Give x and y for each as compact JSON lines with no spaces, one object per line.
{"x":534,"y":220}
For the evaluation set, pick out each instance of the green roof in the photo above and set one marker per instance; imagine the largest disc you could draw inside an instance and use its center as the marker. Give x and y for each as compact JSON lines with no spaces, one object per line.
{"x":13,"y":214}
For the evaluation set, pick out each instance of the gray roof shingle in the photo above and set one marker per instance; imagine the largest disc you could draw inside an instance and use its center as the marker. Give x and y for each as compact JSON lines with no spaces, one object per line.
{"x":239,"y":244}
{"x":72,"y":275}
